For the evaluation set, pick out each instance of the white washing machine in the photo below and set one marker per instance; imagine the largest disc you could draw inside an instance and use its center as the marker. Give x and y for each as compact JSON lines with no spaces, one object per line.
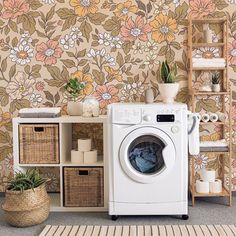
{"x":148,"y":160}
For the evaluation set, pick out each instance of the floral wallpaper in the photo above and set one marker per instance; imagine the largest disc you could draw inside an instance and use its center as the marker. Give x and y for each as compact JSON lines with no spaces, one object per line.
{"x":113,"y":47}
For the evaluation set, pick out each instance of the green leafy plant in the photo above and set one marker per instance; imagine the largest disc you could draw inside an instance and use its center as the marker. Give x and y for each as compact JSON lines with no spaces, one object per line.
{"x":168,"y":73}
{"x":73,"y":88}
{"x":29,"y":180}
{"x":215,"y":78}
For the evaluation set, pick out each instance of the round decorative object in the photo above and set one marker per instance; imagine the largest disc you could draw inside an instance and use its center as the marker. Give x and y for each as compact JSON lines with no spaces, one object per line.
{"x":90,"y":107}
{"x":26,"y":208}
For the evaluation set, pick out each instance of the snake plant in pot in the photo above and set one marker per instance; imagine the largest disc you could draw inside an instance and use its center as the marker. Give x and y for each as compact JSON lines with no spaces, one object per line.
{"x":73,"y":88}
{"x":169,"y":87}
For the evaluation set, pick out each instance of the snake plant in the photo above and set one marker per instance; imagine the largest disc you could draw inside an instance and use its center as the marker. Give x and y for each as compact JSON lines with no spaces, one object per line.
{"x":215,"y":78}
{"x":29,"y":180}
{"x":168,"y":73}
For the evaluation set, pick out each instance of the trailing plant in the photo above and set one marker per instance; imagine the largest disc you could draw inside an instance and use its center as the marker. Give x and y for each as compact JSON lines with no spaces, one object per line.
{"x":168,"y":73}
{"x":215,"y":78}
{"x":29,"y":180}
{"x":73,"y":88}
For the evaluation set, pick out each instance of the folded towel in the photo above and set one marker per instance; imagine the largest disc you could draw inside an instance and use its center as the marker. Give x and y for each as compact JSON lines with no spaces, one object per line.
{"x":41,"y":112}
{"x":210,"y":60}
{"x":218,"y":143}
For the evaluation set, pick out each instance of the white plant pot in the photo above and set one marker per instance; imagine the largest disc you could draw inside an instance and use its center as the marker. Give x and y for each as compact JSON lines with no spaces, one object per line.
{"x":168,"y":91}
{"x":216,"y":87}
{"x":75,"y":108}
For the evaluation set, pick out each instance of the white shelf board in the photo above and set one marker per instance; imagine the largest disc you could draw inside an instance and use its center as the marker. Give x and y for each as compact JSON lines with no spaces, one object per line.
{"x":99,"y":163}
{"x":63,"y":119}
{"x":39,"y":165}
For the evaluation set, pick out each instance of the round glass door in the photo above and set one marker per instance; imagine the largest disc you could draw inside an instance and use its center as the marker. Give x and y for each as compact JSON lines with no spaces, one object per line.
{"x":145,"y":154}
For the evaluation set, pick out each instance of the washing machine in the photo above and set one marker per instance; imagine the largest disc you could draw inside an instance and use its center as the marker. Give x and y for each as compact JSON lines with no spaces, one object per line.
{"x":148,"y":159}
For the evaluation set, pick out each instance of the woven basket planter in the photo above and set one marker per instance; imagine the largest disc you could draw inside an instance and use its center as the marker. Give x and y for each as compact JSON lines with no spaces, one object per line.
{"x":26,"y":208}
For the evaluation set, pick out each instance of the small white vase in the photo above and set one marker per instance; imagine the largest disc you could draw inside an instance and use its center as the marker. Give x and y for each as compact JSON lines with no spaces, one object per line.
{"x":75,"y":108}
{"x":168,"y":91}
{"x":216,"y":87}
{"x":149,"y":96}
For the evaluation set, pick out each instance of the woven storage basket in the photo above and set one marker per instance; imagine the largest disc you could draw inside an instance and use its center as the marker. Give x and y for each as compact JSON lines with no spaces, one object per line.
{"x":83,"y":187}
{"x":39,"y":143}
{"x":26,"y":208}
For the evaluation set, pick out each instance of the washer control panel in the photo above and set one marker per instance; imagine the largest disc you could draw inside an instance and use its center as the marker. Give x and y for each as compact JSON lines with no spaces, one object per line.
{"x":126,"y":115}
{"x":165,"y":118}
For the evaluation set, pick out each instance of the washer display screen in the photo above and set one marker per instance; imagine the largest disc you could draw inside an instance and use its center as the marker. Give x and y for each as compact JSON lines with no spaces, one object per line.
{"x":145,"y":154}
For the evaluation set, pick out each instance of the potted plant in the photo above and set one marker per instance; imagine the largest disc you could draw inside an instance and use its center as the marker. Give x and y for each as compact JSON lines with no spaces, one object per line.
{"x":215,"y":79}
{"x":168,"y":88}
{"x":27,"y":202}
{"x":73,"y":88}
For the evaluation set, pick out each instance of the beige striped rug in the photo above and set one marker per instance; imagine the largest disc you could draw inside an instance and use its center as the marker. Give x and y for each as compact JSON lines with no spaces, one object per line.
{"x":147,"y":230}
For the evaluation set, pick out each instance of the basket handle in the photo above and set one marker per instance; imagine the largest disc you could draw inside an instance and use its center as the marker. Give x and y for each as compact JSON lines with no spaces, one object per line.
{"x":83,"y":172}
{"x":38,"y":129}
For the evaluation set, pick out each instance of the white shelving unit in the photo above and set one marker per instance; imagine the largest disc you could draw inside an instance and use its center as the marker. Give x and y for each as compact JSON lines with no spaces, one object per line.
{"x":65,"y":143}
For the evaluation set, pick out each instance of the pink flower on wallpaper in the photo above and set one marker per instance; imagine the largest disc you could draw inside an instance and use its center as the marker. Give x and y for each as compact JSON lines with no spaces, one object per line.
{"x":232,"y":53}
{"x":201,"y":8}
{"x":14,"y":8}
{"x":48,"y":52}
{"x":40,"y":86}
{"x":20,"y":86}
{"x":137,"y":29}
{"x":106,"y":95}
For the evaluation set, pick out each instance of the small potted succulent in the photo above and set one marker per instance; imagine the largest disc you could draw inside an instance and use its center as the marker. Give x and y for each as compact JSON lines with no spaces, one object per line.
{"x":215,"y":79}
{"x":27,"y":202}
{"x":73,"y":88}
{"x":168,"y":88}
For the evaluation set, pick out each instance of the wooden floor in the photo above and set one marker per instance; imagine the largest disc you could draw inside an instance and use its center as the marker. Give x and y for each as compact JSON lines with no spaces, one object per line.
{"x":147,"y":230}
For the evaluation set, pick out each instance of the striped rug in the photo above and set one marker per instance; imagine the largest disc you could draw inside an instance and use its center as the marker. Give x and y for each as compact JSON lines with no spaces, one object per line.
{"x":147,"y":230}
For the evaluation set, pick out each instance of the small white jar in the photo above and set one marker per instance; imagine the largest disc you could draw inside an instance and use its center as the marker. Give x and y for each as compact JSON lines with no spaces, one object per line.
{"x":90,"y":107}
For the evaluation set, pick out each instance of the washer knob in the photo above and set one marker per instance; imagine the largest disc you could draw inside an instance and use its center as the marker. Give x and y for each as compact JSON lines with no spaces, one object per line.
{"x":147,"y":118}
{"x":175,"y":129}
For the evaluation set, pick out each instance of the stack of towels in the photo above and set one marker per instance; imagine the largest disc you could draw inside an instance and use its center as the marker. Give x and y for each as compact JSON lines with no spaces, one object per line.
{"x":208,"y":182}
{"x":213,"y":62}
{"x":217,"y":146}
{"x":84,"y":154}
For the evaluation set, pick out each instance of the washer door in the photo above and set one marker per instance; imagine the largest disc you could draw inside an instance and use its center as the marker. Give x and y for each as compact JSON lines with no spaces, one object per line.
{"x":147,"y":154}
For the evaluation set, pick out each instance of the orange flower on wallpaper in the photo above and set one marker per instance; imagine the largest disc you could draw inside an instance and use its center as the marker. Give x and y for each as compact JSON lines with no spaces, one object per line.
{"x":87,"y":81}
{"x":48,"y":52}
{"x":137,"y":29}
{"x":14,"y":8}
{"x":201,"y":8}
{"x":164,"y":28}
{"x":123,"y":9}
{"x":84,"y":7}
{"x":232,"y":52}
{"x":5,"y":117}
{"x":113,"y":74}
{"x":106,"y":94}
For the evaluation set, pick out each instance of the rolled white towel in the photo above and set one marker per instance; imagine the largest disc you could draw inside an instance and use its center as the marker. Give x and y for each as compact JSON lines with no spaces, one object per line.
{"x":221,"y":116}
{"x":205,"y":117}
{"x":218,"y":143}
{"x":213,"y":117}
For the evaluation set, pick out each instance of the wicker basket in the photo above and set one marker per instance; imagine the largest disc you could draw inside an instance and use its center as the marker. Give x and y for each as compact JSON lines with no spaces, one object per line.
{"x":83,"y":187}
{"x":39,"y":143}
{"x":26,"y":208}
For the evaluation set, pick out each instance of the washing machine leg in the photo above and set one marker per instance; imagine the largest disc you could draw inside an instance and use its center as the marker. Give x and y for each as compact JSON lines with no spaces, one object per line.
{"x":114,"y":217}
{"x":185,"y":217}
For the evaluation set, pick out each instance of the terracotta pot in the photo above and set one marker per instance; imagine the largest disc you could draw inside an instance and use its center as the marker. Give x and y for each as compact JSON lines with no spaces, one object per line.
{"x":75,"y":108}
{"x":168,"y":91}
